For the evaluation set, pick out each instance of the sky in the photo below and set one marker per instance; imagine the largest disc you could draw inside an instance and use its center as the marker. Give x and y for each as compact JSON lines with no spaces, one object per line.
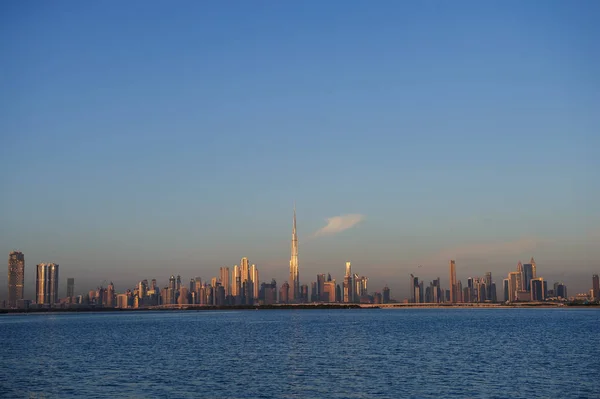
{"x":142,"y":139}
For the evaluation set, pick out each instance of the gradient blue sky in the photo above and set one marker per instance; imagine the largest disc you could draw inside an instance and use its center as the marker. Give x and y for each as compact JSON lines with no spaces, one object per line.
{"x":147,"y":138}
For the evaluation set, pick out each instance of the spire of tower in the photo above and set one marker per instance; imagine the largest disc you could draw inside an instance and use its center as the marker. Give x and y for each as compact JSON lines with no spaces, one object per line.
{"x":294,"y":226}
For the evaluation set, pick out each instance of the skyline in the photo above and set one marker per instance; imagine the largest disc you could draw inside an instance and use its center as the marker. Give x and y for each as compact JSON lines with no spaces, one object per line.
{"x":142,"y":140}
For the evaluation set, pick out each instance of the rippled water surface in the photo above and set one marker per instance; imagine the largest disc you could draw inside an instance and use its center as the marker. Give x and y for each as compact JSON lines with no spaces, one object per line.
{"x":420,"y":353}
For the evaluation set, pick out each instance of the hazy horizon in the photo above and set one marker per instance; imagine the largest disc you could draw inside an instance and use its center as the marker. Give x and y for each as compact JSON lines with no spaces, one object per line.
{"x":145,"y":139}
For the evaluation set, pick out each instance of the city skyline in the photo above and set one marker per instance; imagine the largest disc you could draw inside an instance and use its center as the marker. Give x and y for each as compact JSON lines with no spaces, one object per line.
{"x":407,"y":138}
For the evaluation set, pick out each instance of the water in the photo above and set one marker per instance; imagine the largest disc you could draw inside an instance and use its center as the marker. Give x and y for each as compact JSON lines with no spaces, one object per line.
{"x":418,"y":353}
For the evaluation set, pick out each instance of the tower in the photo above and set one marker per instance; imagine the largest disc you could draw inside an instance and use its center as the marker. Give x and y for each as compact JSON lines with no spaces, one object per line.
{"x":47,"y":284}
{"x":224,"y":271}
{"x":16,"y":275}
{"x":294,"y":293}
{"x":453,"y":293}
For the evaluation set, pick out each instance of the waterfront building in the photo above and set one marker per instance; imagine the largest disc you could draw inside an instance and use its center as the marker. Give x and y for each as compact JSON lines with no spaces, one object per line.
{"x":122,"y":301}
{"x":178,"y":283}
{"x":595,"y":287}
{"x":284,"y":293}
{"x":255,"y":281}
{"x":328,"y":291}
{"x":46,"y":287}
{"x":294,"y":284}
{"x":513,"y":285}
{"x":70,"y":287}
{"x":453,"y":286}
{"x":321,"y":297}
{"x":110,"y":295}
{"x":488,"y":286}
{"x":314,"y":292}
{"x":348,"y":294}
{"x":560,"y":290}
{"x":224,"y":272}
{"x":338,"y":293}
{"x":386,"y":294}
{"x":537,"y":289}
{"x":16,"y":277}
{"x":527,"y":276}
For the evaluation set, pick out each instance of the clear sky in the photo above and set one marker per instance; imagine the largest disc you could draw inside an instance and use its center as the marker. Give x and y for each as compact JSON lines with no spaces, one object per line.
{"x":142,"y":139}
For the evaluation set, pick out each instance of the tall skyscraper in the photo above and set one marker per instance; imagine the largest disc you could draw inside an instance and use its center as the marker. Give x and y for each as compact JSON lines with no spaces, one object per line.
{"x":527,"y":276}
{"x":505,"y":289}
{"x":321,"y":288}
{"x":46,"y":286}
{"x":70,"y":287}
{"x":533,"y":270}
{"x":453,"y":293}
{"x":514,"y":280}
{"x":596,"y":286}
{"x":294,"y":293}
{"x":110,"y":295}
{"x":16,"y":277}
{"x":236,"y":281}
{"x":255,"y":283}
{"x":225,"y":280}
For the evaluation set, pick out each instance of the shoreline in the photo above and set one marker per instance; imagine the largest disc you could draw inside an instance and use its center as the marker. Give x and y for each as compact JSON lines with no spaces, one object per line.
{"x":524,"y":305}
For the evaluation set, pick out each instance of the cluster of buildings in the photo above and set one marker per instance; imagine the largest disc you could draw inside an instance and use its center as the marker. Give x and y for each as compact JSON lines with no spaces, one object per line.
{"x":522,"y":285}
{"x":241,"y":286}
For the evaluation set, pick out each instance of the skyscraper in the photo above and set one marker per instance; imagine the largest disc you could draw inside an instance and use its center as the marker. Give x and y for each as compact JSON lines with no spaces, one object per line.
{"x":527,"y":276}
{"x":294,"y":273}
{"x":514,"y":280}
{"x":321,"y":288}
{"x":255,"y":282}
{"x":70,"y":287}
{"x":46,"y":287}
{"x":453,"y":293}
{"x":596,"y":286}
{"x":16,"y":277}
{"x":225,"y":280}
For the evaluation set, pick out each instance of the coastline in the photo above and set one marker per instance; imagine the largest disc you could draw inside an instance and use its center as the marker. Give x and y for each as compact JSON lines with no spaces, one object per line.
{"x":524,"y":305}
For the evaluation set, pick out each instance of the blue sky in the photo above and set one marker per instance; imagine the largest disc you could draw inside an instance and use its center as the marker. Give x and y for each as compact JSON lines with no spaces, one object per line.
{"x":144,"y":139}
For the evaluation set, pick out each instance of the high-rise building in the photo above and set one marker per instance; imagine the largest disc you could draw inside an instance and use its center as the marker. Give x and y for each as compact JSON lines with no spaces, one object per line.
{"x":453,"y":287}
{"x":537,"y":289}
{"x":236,"y":281}
{"x":294,"y":272}
{"x":224,"y":271}
{"x":527,"y":276}
{"x":488,"y":285}
{"x":595,"y":286}
{"x":314,"y":296}
{"x":255,"y":282}
{"x":521,"y":276}
{"x":505,"y":289}
{"x":415,"y":289}
{"x":110,"y":295}
{"x":514,"y":280}
{"x":321,"y":288}
{"x":70,"y":287}
{"x":178,"y":284}
{"x":348,"y":291}
{"x":560,"y":290}
{"x":348,"y":269}
{"x":386,"y":294}
{"x":16,"y":277}
{"x":328,"y":291}
{"x":284,"y":293}
{"x":303,"y":293}
{"x":46,"y":287}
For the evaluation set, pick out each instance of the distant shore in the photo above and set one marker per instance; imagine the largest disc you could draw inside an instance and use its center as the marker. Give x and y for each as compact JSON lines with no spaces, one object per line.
{"x":524,"y":305}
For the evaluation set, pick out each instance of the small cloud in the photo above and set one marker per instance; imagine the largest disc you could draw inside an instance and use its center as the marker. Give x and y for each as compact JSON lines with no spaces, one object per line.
{"x":338,"y":224}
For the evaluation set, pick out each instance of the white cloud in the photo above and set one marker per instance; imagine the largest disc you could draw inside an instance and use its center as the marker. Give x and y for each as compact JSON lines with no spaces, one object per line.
{"x":338,"y":224}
